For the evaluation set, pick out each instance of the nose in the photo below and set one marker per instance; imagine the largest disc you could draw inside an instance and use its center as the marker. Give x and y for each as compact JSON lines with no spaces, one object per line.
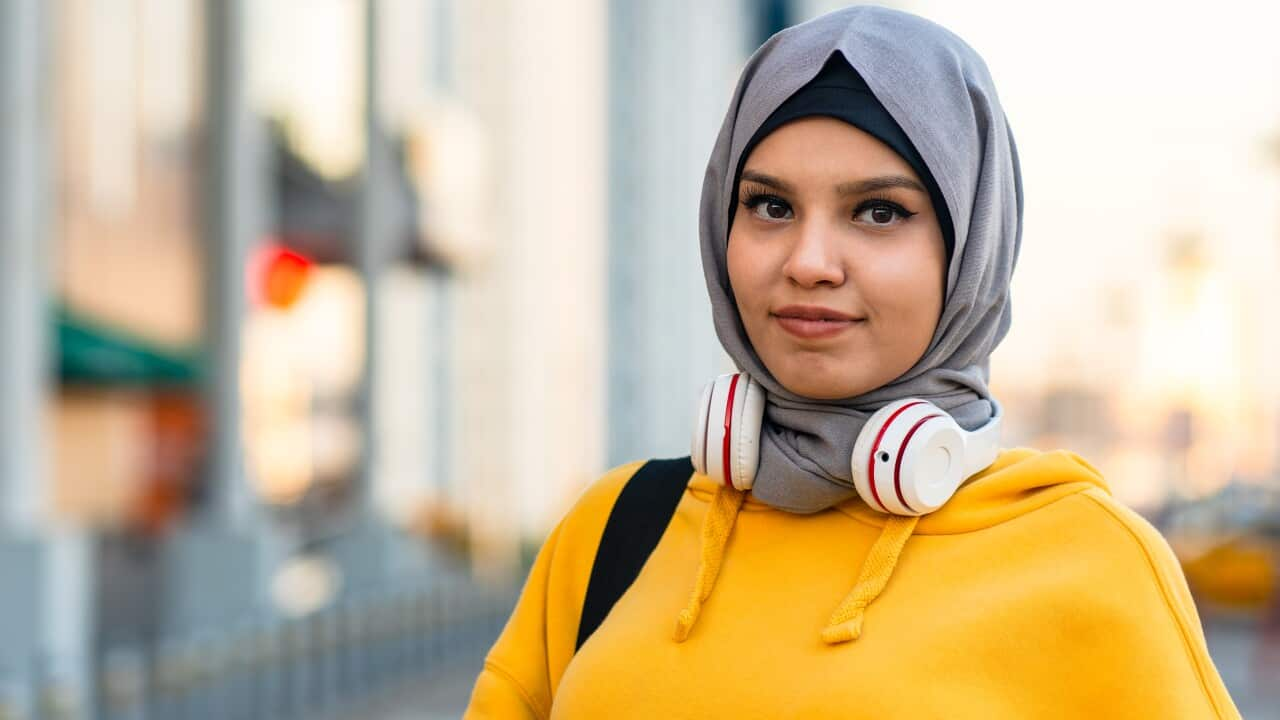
{"x":814,"y":258}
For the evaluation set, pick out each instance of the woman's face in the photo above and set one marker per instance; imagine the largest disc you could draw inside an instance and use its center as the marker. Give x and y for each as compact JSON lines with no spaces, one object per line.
{"x":829,"y":219}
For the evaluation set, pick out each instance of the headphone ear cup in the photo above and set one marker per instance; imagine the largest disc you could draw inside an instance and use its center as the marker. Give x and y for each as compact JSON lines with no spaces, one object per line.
{"x":745,"y":448}
{"x":698,"y":448}
{"x":716,"y":419}
{"x":860,"y":461}
{"x":908,"y":458}
{"x":726,"y":439}
{"x":933,"y":465}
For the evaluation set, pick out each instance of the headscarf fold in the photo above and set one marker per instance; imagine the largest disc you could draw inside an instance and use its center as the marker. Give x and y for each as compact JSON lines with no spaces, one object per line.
{"x":940,"y":93}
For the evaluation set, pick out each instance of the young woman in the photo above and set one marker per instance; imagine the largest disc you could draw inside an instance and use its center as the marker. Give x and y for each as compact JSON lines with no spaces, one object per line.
{"x":853,"y":542}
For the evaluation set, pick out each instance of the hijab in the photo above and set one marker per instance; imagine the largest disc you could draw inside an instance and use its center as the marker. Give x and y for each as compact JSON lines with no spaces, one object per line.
{"x":838,"y":91}
{"x":939,"y":94}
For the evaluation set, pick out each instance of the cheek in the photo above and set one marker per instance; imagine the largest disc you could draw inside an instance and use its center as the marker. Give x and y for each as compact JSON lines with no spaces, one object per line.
{"x":744,"y":270}
{"x":902,"y":286}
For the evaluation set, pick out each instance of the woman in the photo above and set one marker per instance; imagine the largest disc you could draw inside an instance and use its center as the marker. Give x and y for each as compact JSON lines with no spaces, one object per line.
{"x":860,"y":221}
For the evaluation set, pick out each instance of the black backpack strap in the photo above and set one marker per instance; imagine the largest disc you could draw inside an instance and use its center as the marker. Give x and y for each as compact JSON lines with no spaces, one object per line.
{"x":637,"y":521}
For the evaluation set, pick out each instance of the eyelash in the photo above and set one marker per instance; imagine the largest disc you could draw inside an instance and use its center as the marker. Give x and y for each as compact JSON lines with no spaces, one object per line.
{"x":753,"y":198}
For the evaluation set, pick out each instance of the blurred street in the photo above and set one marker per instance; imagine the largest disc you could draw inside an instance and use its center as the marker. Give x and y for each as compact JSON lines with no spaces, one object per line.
{"x":443,"y":697}
{"x":317,"y":315}
{"x":1234,"y":647}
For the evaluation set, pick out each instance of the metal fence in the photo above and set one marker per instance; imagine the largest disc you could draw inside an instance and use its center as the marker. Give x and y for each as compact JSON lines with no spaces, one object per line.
{"x":328,"y":664}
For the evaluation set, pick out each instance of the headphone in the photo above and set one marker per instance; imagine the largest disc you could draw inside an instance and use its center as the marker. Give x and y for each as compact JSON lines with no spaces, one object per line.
{"x":909,"y":458}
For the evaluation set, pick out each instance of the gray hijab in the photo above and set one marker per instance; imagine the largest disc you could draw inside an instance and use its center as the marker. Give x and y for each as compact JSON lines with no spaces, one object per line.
{"x":939,"y":91}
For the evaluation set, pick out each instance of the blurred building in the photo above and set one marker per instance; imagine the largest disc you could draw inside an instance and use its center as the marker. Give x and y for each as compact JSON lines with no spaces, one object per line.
{"x":330,"y":290}
{"x":312,"y":308}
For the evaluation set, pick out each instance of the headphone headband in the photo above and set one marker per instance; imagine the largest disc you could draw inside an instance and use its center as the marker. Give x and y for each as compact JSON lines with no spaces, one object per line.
{"x":982,"y":446}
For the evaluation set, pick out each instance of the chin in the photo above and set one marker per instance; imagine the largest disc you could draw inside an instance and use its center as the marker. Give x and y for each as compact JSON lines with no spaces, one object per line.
{"x":817,"y":376}
{"x":820,"y":389}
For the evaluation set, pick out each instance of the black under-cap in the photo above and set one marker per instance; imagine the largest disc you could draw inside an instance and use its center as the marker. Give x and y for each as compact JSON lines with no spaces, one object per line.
{"x":838,"y":91}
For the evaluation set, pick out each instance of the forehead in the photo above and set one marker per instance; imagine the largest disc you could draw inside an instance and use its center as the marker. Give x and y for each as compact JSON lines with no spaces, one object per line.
{"x":823,"y":147}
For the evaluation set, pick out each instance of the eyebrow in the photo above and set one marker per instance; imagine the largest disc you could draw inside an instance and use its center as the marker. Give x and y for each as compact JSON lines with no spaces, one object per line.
{"x":853,"y":187}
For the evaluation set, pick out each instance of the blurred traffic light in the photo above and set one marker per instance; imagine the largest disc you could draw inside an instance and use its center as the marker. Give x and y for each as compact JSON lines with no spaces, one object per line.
{"x":278,"y":276}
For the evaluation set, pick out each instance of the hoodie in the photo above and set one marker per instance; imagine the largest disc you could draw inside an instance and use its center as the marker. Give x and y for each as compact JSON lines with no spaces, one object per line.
{"x":1031,"y":593}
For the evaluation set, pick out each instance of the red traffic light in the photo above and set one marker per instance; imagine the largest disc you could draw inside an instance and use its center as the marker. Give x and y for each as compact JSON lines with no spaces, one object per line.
{"x":278,"y":275}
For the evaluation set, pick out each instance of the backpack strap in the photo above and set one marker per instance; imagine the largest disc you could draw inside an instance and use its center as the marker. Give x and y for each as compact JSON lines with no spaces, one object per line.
{"x":636,"y":523}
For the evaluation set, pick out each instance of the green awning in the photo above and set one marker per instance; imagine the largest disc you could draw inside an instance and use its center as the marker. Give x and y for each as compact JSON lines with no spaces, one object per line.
{"x":93,"y":353}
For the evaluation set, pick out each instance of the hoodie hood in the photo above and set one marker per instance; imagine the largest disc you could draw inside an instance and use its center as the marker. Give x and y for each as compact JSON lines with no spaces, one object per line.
{"x":1020,"y":481}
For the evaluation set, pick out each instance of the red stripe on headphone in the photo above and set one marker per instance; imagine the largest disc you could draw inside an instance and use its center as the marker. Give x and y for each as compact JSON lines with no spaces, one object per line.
{"x":897,"y":466}
{"x":871,"y":461}
{"x":728,"y":428}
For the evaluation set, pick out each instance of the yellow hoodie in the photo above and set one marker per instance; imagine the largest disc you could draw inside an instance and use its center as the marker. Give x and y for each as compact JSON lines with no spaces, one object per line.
{"x":1030,"y":594}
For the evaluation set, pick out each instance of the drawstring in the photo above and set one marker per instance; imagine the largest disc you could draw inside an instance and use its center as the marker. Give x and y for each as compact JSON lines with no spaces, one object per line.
{"x":716,"y":526}
{"x":846,"y":622}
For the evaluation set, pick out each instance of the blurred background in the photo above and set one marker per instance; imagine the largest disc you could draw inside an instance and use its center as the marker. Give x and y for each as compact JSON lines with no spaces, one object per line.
{"x":315,"y":316}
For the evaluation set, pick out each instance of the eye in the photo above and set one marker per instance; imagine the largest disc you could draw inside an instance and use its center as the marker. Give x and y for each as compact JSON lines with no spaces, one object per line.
{"x":881,"y":213}
{"x":767,"y":207}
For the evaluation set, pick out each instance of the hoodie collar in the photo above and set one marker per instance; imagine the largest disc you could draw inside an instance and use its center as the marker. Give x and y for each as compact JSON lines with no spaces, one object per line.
{"x":1019,"y":481}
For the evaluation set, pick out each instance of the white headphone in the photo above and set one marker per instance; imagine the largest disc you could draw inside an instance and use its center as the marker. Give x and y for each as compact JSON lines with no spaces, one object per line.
{"x":909,"y":458}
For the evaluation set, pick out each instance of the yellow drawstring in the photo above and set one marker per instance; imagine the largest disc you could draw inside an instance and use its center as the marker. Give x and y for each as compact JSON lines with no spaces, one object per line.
{"x":846,"y":622}
{"x":716,"y":526}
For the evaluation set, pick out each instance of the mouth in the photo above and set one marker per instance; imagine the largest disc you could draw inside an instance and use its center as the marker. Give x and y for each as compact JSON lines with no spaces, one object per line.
{"x":813,"y":312}
{"x":811,"y":328}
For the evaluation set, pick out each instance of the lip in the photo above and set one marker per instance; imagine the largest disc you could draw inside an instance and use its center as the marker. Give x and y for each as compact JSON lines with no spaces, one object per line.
{"x":815,"y":329}
{"x":812,"y":312}
{"x":812,"y":322}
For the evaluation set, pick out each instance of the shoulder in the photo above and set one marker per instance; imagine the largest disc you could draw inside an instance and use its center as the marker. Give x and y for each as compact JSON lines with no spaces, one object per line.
{"x":1105,"y":579}
{"x":1146,"y":551}
{"x":539,"y":639}
{"x":569,"y":553}
{"x":576,"y":538}
{"x":596,"y":500}
{"x":662,"y":483}
{"x":577,"y":535}
{"x":1108,"y":557}
{"x":1138,"y":596}
{"x":1096,"y":526}
{"x":1107,"y":525}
